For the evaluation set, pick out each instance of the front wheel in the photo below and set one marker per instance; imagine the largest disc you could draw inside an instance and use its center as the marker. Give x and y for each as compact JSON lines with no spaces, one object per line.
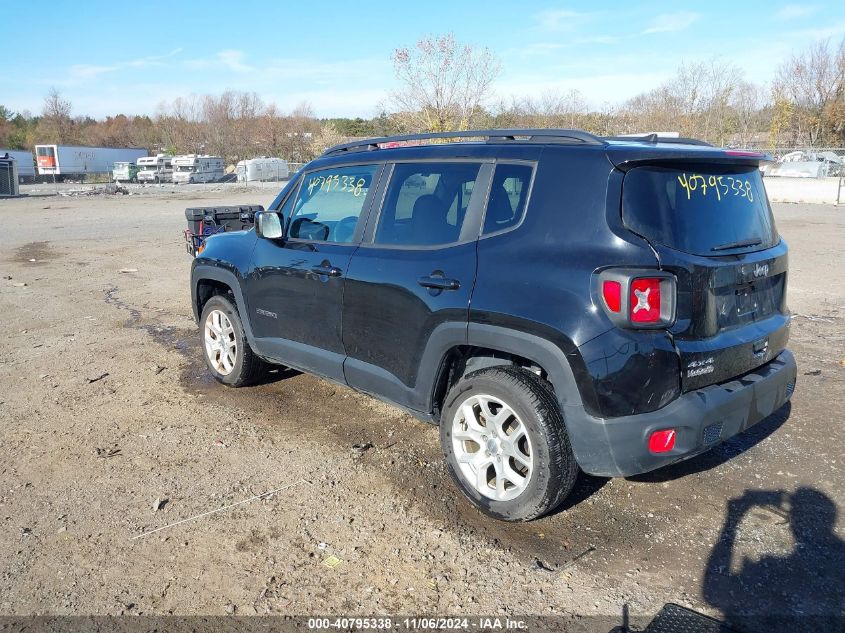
{"x":227,"y":353}
{"x":506,"y":444}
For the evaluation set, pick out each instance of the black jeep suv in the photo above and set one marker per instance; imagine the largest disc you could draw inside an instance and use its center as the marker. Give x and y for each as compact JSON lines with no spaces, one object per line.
{"x":553,"y":300}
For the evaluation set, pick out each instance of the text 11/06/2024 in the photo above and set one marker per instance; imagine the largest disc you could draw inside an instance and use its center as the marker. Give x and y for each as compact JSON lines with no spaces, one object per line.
{"x":418,"y":623}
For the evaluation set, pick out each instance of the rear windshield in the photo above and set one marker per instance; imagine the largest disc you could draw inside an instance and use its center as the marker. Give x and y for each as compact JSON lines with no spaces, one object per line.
{"x":703,"y":211}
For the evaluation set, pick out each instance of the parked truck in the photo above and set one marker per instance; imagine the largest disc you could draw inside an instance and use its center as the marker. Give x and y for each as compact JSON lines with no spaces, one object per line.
{"x":71,"y":161}
{"x":257,"y":169}
{"x":155,"y":169}
{"x":195,"y":168}
{"x":124,"y":171}
{"x":25,"y":164}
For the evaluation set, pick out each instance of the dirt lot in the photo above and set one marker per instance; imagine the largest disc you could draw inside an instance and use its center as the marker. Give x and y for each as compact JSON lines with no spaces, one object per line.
{"x":106,"y":413}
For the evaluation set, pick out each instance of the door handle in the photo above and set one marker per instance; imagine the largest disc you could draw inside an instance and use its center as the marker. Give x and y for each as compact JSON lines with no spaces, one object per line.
{"x":439,"y":283}
{"x":327,"y":269}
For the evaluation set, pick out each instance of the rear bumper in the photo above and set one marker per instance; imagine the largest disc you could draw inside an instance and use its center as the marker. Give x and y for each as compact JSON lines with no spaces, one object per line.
{"x":702,"y":419}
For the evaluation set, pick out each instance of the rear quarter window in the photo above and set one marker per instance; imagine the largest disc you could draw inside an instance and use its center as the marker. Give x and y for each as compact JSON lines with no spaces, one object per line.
{"x":709,"y":211}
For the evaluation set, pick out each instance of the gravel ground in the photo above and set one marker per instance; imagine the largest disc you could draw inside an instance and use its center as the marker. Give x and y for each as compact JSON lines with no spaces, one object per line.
{"x":110,"y":428}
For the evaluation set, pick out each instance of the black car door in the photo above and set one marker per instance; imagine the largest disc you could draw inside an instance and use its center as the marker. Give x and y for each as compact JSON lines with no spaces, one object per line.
{"x":413,"y":273}
{"x":295,"y":285}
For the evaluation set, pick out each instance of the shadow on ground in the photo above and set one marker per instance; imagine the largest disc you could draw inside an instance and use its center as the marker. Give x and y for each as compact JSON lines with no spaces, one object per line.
{"x":801,"y":590}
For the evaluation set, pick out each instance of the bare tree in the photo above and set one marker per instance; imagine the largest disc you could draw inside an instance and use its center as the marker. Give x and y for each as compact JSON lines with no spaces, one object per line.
{"x":6,"y":129}
{"x":813,"y":81}
{"x":218,"y":114}
{"x":56,"y":125}
{"x":249,"y":109}
{"x":696,"y":102}
{"x":326,"y":138}
{"x":270,"y":130}
{"x":235,"y":125}
{"x":300,"y":128}
{"x":719,"y":82}
{"x":445,"y":83}
{"x":747,"y":102}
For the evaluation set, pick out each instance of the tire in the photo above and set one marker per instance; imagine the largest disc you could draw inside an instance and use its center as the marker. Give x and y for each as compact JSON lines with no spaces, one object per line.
{"x":526,"y":407}
{"x":232,"y":361}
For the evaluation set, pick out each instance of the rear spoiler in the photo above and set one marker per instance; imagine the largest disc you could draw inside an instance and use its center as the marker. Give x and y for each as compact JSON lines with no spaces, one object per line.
{"x":655,"y":138}
{"x":625,"y":158}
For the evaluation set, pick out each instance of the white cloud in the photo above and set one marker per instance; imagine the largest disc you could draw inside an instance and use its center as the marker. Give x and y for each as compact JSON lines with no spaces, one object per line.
{"x":671,"y":22}
{"x":82,"y":72}
{"x":229,"y":59}
{"x":79,"y":73}
{"x":538,"y":49}
{"x":234,"y":61}
{"x":597,"y":88}
{"x":794,"y":11}
{"x":562,"y":19}
{"x":152,"y":60}
{"x":821,"y":33}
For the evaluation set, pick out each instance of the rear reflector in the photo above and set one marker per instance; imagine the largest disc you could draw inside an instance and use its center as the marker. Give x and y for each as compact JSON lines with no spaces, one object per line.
{"x":645,"y":300}
{"x":612,"y":292}
{"x":662,"y":441}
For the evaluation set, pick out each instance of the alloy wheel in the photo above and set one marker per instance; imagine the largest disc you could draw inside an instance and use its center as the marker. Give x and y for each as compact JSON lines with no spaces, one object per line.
{"x":492,"y":447}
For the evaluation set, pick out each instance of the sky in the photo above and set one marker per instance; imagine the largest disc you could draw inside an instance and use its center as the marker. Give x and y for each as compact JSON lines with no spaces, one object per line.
{"x":129,"y":57}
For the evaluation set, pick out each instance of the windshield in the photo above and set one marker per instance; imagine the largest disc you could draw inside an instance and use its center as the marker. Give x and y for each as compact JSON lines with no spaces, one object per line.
{"x":185,"y":168}
{"x":713,"y":210}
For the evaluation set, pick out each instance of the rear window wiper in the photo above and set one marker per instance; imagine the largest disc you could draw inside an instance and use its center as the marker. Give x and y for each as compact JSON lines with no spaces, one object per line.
{"x":756,"y":241}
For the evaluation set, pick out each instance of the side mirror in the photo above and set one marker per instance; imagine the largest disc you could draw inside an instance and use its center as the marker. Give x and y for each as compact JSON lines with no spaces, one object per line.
{"x":268,"y":225}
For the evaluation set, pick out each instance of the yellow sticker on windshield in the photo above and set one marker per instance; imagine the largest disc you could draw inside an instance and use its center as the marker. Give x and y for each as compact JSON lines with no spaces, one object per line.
{"x":336,"y":182}
{"x":718,"y":187}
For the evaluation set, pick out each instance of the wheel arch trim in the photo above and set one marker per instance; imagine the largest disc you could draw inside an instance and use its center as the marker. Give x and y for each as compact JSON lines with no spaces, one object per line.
{"x":202,"y":272}
{"x":544,"y":352}
{"x":558,"y":366}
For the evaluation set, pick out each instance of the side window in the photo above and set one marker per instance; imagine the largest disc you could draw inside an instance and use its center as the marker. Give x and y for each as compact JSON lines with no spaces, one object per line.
{"x":330,"y":202}
{"x":508,"y":195}
{"x":425,"y":203}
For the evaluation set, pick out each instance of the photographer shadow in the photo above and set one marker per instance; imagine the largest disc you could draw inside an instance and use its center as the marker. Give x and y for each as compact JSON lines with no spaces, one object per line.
{"x":801,"y":590}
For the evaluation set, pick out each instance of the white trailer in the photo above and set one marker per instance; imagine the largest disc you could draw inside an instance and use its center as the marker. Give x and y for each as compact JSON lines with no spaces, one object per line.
{"x":26,"y":166}
{"x":195,"y":168}
{"x":262,"y":169}
{"x":70,"y":161}
{"x":155,"y":169}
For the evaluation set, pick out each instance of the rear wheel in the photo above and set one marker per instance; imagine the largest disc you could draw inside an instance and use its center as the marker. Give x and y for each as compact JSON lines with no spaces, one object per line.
{"x":506,"y":445}
{"x":227,"y":353}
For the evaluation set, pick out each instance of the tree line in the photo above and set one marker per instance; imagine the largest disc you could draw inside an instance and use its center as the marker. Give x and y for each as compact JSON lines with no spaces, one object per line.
{"x":448,"y":85}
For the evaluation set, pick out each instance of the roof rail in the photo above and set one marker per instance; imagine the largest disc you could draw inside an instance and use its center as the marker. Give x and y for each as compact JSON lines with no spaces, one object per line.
{"x":494,"y":136}
{"x":654,"y":138}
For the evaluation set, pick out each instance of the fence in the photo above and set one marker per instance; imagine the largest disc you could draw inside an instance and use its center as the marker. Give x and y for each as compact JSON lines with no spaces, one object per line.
{"x":8,"y":177}
{"x":781,"y":151}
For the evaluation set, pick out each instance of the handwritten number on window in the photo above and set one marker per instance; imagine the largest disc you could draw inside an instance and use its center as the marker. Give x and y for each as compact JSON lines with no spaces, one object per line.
{"x":719,"y":186}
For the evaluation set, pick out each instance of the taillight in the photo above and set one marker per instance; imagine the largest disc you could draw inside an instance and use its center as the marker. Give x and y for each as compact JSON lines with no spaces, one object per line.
{"x":637,"y":298}
{"x":612,"y":292}
{"x":645,"y":300}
